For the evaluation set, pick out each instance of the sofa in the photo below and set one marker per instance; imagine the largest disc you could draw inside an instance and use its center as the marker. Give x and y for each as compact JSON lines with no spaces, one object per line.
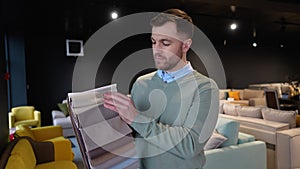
{"x":61,"y":119}
{"x":249,"y":97}
{"x":251,"y":155}
{"x":275,"y":127}
{"x":25,"y":153}
{"x":24,"y":115}
{"x":53,"y":134}
{"x":239,"y":150}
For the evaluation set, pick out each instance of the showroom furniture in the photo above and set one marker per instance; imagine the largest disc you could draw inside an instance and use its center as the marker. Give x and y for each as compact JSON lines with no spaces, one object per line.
{"x":53,"y":134}
{"x":250,"y":155}
{"x":25,"y":153}
{"x":288,"y":148}
{"x":240,"y":150}
{"x":272,"y":101}
{"x":60,"y":119}
{"x":268,"y":125}
{"x":24,"y":115}
{"x":251,"y":97}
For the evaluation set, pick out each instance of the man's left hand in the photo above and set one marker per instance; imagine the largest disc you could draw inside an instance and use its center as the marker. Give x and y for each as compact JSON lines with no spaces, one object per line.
{"x":121,"y":104}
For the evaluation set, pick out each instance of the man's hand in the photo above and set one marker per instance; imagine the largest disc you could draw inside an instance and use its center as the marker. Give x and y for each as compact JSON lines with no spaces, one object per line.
{"x":121,"y":104}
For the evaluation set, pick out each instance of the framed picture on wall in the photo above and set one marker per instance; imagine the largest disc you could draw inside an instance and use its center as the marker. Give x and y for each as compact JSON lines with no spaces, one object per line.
{"x":74,"y":47}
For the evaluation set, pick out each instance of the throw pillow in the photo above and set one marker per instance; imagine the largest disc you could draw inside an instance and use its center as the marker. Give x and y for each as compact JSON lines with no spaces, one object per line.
{"x":230,"y":109}
{"x":249,"y":111}
{"x":283,"y":116}
{"x":64,"y":108}
{"x":214,"y":141}
{"x":229,"y":129}
{"x":234,"y":94}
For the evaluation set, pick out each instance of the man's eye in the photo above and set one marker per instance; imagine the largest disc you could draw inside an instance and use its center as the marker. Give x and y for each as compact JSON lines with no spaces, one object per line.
{"x":153,"y":42}
{"x":166,"y":43}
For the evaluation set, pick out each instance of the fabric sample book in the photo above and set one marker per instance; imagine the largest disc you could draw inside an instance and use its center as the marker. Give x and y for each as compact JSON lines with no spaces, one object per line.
{"x":104,"y":139}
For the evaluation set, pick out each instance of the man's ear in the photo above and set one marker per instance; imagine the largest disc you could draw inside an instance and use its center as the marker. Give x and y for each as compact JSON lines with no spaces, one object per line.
{"x":186,"y":45}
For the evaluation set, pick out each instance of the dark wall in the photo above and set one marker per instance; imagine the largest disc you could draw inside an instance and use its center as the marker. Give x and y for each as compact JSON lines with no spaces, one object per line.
{"x":246,"y":65}
{"x":49,"y":73}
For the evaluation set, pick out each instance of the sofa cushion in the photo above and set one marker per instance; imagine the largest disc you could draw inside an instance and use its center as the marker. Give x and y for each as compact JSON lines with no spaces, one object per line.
{"x":283,"y":116}
{"x":15,"y":161}
{"x":228,"y":128}
{"x":251,"y":93}
{"x":230,"y":109}
{"x":24,"y":150}
{"x":249,"y":111}
{"x":214,"y":141}
{"x":57,"y":164}
{"x":63,"y":122}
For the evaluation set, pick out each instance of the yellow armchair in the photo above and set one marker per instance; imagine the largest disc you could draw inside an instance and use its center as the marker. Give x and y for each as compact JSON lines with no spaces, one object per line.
{"x":53,"y":134}
{"x":24,"y":115}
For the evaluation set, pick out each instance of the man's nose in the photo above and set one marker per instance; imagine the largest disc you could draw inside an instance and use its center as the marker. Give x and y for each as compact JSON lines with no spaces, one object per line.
{"x":156,"y":47}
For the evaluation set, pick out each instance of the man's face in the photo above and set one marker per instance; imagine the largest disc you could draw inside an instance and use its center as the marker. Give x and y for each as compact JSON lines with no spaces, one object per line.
{"x":167,"y":48}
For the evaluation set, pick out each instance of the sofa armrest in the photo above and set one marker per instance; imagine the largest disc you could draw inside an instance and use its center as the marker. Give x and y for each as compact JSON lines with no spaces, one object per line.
{"x":47,"y":132}
{"x":37,"y":116}
{"x":57,"y":114}
{"x":288,"y":148}
{"x":62,"y":149}
{"x":250,"y":155}
{"x":11,"y":119}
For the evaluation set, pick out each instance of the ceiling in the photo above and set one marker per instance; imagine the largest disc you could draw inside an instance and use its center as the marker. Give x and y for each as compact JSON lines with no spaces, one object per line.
{"x":264,"y":16}
{"x":260,"y":12}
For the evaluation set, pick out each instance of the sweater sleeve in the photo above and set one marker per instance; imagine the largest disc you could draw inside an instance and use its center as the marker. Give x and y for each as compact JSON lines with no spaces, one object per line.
{"x":182,"y":141}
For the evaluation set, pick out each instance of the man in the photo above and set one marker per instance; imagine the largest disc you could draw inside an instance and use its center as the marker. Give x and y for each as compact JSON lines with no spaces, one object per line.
{"x":170,"y":108}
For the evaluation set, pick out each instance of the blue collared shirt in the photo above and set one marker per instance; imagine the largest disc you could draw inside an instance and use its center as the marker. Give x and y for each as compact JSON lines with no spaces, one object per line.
{"x":169,"y":77}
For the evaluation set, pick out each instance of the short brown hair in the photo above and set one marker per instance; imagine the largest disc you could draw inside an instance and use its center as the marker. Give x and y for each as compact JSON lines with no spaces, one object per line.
{"x":182,"y":20}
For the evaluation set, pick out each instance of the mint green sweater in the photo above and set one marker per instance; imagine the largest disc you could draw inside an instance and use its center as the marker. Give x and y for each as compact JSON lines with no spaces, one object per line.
{"x":172,"y":117}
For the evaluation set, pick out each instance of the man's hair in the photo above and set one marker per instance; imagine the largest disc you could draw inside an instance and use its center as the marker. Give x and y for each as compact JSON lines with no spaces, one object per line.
{"x":182,"y":20}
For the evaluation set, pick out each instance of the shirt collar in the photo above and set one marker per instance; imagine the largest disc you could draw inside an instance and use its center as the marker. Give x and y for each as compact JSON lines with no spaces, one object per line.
{"x":168,"y":77}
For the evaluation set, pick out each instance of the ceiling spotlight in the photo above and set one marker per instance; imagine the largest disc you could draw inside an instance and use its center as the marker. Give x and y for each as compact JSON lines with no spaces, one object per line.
{"x":114,"y":15}
{"x":233,"y":26}
{"x":254,"y":44}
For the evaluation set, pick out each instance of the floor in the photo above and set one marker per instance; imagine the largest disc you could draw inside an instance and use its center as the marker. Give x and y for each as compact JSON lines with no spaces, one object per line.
{"x":77,"y":158}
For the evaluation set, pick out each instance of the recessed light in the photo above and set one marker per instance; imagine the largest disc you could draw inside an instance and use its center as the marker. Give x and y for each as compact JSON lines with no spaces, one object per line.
{"x":114,"y":15}
{"x":254,"y":44}
{"x":233,"y":26}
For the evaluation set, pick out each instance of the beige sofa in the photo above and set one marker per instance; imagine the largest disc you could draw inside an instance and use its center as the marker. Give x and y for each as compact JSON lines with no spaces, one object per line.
{"x":288,"y":146}
{"x":277,"y":130}
{"x":251,"y":97}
